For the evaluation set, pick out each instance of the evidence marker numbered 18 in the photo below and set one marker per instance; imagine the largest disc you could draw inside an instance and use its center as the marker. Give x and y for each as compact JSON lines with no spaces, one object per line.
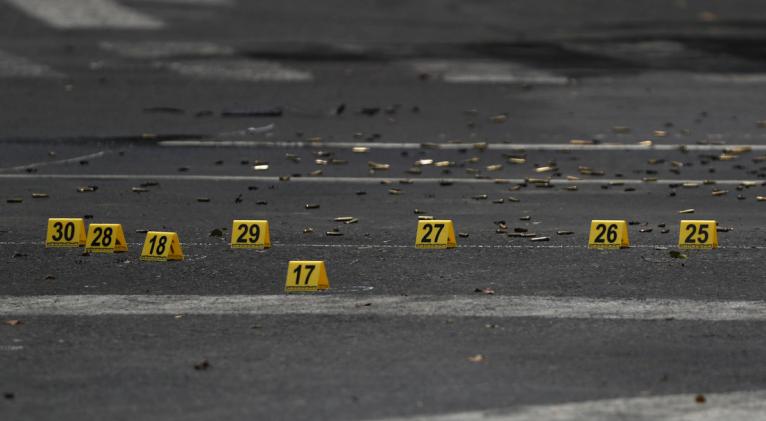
{"x":698,"y":234}
{"x":435,"y":234}
{"x":250,"y":234}
{"x":65,"y":232}
{"x":306,"y":276}
{"x":161,"y":246}
{"x":105,"y":238}
{"x":608,"y":234}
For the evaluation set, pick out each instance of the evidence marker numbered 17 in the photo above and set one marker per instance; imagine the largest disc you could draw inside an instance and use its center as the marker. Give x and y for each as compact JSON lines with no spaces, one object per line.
{"x":698,"y":234}
{"x":435,"y":234}
{"x":161,"y":246}
{"x":306,"y":276}
{"x":65,"y":232}
{"x":250,"y":234}
{"x":608,"y":234}
{"x":105,"y":238}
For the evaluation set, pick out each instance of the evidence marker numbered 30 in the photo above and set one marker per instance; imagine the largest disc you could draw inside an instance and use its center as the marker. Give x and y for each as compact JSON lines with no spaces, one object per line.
{"x":436,"y":234}
{"x":105,"y":238}
{"x":250,"y":234}
{"x":65,"y":232}
{"x":608,"y":234}
{"x":161,"y":246}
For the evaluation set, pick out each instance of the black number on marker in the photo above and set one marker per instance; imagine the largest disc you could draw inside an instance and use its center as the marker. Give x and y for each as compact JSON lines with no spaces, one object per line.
{"x":701,"y":234}
{"x":297,"y":272}
{"x":429,"y":228}
{"x":65,"y":231}
{"x":254,"y":231}
{"x":160,"y":245}
{"x":610,"y":231}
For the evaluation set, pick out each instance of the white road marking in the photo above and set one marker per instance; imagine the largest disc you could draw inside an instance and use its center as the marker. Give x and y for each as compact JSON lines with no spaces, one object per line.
{"x":86,"y":14}
{"x":55,"y":162}
{"x":239,"y":70}
{"x":364,"y":180}
{"x":415,"y":305}
{"x":484,"y":71}
{"x":659,"y":247}
{"x":743,"y":405}
{"x":743,"y":78}
{"x":453,"y":146}
{"x":12,"y":66}
{"x":166,"y":49}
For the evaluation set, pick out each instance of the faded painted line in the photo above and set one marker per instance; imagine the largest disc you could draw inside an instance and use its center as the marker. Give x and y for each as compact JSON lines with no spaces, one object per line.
{"x":454,"y":146}
{"x":365,"y":180}
{"x":743,"y":78}
{"x":165,"y":49}
{"x":744,"y":405}
{"x":411,"y":246}
{"x":449,"y":306}
{"x":485,"y":71}
{"x":239,"y":70}
{"x":12,"y":66}
{"x":86,"y":14}
{"x":73,"y":160}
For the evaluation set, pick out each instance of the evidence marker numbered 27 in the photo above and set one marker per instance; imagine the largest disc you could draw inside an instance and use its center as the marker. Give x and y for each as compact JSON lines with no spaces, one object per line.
{"x":435,"y":234}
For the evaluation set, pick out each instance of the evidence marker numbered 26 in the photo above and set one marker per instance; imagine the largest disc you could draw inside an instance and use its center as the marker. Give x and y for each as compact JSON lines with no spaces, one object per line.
{"x":250,"y":234}
{"x":608,"y":234}
{"x":65,"y":232}
{"x":435,"y":234}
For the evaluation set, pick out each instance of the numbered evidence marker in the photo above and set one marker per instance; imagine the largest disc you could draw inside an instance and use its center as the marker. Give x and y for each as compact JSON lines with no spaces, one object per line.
{"x":435,"y":234}
{"x":250,"y":234}
{"x":105,"y":238}
{"x":65,"y":232}
{"x":306,"y":276}
{"x":608,"y":234}
{"x":698,"y":235}
{"x":161,"y":246}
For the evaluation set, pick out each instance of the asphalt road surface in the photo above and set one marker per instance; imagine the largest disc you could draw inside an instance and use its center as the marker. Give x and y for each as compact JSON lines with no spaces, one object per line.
{"x":515,"y":120}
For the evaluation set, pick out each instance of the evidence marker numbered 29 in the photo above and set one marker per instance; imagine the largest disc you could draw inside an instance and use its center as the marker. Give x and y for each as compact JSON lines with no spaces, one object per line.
{"x":250,"y":234}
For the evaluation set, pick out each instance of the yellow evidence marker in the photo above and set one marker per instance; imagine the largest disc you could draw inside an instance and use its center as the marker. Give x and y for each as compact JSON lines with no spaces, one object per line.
{"x":65,"y":232}
{"x":608,"y":234}
{"x":161,"y":246}
{"x":250,"y":234}
{"x":698,"y":234}
{"x":105,"y":238}
{"x":306,"y":276}
{"x":435,"y":234}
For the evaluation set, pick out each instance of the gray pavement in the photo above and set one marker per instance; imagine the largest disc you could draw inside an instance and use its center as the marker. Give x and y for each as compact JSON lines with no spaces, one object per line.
{"x":181,"y":98}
